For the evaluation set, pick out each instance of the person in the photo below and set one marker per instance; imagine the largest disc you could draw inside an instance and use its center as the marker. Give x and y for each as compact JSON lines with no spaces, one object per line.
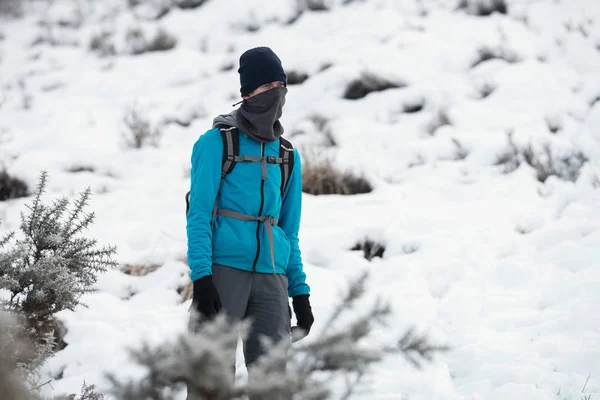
{"x":242,"y":227}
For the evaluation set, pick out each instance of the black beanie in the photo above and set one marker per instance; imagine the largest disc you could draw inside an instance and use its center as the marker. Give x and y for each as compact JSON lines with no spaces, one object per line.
{"x":258,"y":66}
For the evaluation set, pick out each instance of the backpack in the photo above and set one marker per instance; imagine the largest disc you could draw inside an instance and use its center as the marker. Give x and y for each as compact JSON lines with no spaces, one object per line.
{"x":231,"y":150}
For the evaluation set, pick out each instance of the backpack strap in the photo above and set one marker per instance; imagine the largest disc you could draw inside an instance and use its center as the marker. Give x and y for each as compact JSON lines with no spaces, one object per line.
{"x":286,"y":153}
{"x":231,"y":150}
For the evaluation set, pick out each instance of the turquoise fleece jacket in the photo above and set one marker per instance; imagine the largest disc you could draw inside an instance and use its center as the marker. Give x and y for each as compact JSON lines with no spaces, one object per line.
{"x":235,"y":243}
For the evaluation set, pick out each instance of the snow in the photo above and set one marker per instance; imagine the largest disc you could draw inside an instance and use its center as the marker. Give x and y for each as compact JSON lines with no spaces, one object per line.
{"x":502,"y":268}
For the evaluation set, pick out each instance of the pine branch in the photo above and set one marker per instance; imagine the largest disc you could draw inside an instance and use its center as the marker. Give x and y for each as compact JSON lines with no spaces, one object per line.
{"x":411,"y":344}
{"x":80,"y":204}
{"x":6,"y":239}
{"x":351,"y":385}
{"x":35,"y":207}
{"x":355,"y":290}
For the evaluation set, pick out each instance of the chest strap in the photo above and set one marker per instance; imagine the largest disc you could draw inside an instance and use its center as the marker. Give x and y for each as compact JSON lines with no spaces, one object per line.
{"x":267,"y":220}
{"x":262,"y":160}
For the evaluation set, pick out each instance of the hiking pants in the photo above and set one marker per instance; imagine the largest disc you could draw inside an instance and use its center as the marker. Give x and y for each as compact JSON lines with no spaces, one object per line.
{"x":261,"y":297}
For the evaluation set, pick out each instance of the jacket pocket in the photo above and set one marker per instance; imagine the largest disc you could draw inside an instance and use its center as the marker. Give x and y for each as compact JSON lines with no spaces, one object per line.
{"x":233,"y":241}
{"x":282,"y":248}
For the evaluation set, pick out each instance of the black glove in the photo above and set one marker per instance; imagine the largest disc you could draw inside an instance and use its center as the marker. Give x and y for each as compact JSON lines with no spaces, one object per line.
{"x":304,"y":315}
{"x":206,"y":298}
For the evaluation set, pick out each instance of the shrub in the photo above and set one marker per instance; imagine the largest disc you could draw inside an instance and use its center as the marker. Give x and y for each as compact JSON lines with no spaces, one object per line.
{"x":546,"y":163}
{"x":102,"y":44}
{"x":202,"y":362}
{"x":296,"y":77}
{"x":89,"y":392}
{"x":483,"y":8}
{"x":20,"y":382}
{"x":138,"y":131}
{"x":163,"y":41}
{"x":75,"y":169}
{"x":413,"y":105}
{"x":369,"y":83}
{"x":313,"y":5}
{"x":51,"y":266}
{"x":43,"y":272}
{"x":510,"y":158}
{"x":320,"y":176}
{"x":139,"y":269}
{"x":188,"y":4}
{"x":186,"y":292}
{"x":13,"y":348}
{"x":137,"y":43}
{"x":11,"y":187}
{"x":487,"y":53}
{"x":370,"y":249}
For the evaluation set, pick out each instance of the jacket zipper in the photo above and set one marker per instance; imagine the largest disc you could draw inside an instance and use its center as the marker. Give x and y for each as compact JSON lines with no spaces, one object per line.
{"x":260,"y":210}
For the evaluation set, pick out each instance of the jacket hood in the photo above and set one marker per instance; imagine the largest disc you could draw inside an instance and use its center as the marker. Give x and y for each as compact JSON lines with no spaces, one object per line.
{"x":226,"y":119}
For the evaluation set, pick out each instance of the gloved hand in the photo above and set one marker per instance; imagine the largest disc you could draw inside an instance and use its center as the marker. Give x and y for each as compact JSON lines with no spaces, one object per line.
{"x":206,"y":298}
{"x":304,"y":316}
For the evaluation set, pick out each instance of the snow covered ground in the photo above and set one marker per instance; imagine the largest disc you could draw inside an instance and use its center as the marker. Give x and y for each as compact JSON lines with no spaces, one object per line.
{"x":500,"y":266}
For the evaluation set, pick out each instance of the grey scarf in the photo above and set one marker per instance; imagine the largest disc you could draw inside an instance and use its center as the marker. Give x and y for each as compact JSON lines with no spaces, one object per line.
{"x":258,"y":116}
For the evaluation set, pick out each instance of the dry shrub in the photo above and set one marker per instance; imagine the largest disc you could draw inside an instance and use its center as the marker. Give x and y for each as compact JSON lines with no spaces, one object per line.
{"x":370,"y":249}
{"x":139,"y":269}
{"x":102,"y":44}
{"x":413,"y":105}
{"x":11,"y":187}
{"x":189,"y":4}
{"x":487,"y":53}
{"x":320,"y":177}
{"x":313,"y":5}
{"x":138,"y":131}
{"x":75,"y":169}
{"x":163,"y":41}
{"x":546,"y":162}
{"x":483,"y":8}
{"x":187,"y":292}
{"x":296,"y":77}
{"x":369,"y":83}
{"x":138,"y":43}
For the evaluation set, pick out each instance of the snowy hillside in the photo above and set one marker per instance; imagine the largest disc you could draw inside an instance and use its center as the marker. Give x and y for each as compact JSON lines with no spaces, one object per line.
{"x":480,"y":136}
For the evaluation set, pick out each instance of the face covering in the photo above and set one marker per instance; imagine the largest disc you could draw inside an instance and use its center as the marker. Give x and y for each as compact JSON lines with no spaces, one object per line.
{"x":258,"y":116}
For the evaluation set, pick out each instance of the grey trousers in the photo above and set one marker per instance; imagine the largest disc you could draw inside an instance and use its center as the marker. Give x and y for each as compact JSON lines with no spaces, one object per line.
{"x":261,"y":297}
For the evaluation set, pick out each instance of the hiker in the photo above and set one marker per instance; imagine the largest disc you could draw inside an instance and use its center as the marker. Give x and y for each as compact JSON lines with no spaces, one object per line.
{"x":243,"y":212}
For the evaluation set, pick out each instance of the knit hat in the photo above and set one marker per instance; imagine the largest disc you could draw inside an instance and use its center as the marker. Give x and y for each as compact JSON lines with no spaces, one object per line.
{"x":258,"y":66}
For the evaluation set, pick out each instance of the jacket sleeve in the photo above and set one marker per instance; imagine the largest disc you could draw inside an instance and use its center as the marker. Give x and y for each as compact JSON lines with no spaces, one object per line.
{"x":204,"y":184}
{"x":289,"y":221}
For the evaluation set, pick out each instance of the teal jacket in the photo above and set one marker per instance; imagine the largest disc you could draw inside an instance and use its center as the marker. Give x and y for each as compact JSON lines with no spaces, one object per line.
{"x":235,"y":243}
